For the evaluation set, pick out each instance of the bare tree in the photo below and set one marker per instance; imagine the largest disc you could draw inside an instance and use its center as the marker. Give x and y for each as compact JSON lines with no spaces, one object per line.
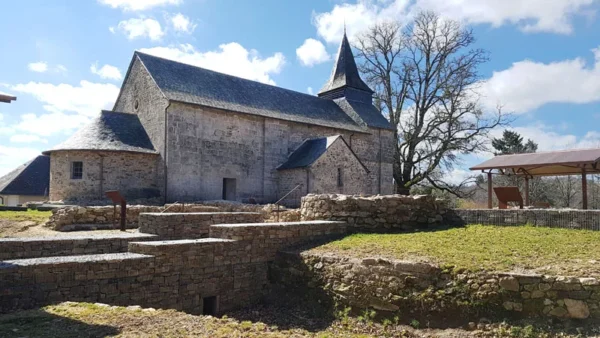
{"x":424,"y":77}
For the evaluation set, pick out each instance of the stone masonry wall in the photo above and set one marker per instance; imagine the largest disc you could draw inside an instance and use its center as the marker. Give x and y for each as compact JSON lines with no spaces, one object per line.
{"x":324,"y":172}
{"x":133,"y":174}
{"x":572,"y":219}
{"x":140,"y":95}
{"x":30,"y":247}
{"x":207,"y":145}
{"x":394,"y":286}
{"x":191,"y":225}
{"x":267,"y":238}
{"x":162,"y":274}
{"x":376,"y":213}
{"x":62,"y":218}
{"x":68,"y":218}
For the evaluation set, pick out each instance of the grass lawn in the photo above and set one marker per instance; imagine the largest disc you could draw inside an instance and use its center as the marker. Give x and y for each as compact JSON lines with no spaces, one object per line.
{"x":29,"y":215}
{"x":24,"y":223}
{"x":477,"y":247}
{"x":93,"y":320}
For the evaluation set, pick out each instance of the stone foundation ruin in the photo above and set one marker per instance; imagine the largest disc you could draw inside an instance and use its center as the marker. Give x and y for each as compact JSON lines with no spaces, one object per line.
{"x":209,"y":262}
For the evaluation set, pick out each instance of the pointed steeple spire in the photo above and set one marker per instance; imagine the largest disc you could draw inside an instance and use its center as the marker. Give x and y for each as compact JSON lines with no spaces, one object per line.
{"x":345,"y":73}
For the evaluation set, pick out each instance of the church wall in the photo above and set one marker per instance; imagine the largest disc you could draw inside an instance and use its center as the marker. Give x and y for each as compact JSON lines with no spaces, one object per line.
{"x":133,"y":174}
{"x":206,"y":145}
{"x":324,"y":172}
{"x":140,"y":88}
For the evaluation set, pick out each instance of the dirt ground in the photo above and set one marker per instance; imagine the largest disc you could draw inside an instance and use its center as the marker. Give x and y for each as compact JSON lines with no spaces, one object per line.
{"x":35,"y":228}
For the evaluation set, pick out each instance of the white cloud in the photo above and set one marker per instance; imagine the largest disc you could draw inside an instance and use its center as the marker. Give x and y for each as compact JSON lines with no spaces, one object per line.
{"x":12,"y":157}
{"x":138,"y":5}
{"x":551,"y":138}
{"x":61,"y":69}
{"x":86,"y":99}
{"x":231,"y":58}
{"x":49,"y":124}
{"x":26,"y":138}
{"x":140,"y":27}
{"x":312,"y":52}
{"x":39,"y":67}
{"x":310,"y":91}
{"x":106,"y":71}
{"x":181,"y":23}
{"x":528,"y":85}
{"x":555,"y":16}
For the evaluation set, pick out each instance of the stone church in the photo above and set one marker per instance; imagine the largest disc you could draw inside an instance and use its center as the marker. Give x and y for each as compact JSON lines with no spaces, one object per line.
{"x":183,"y":133}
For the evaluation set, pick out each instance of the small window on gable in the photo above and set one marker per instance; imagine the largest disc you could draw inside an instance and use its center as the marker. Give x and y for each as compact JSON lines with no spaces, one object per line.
{"x":76,"y":170}
{"x":340,"y":182}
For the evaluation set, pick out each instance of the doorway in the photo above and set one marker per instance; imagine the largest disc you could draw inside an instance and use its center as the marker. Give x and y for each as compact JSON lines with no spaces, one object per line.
{"x":229,"y":187}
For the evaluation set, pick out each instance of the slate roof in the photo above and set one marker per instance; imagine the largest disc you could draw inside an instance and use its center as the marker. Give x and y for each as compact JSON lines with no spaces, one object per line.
{"x":111,"y":131}
{"x":363,"y":113}
{"x":190,"y":84}
{"x":345,"y":73}
{"x":310,"y":151}
{"x":31,"y":178}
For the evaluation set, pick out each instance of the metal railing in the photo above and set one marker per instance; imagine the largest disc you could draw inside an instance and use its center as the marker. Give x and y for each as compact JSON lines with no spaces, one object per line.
{"x":278,"y":203}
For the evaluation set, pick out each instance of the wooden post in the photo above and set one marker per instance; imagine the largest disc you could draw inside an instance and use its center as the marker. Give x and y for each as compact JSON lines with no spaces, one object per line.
{"x":489,"y":179}
{"x":123,"y":214}
{"x":526,"y":190}
{"x":584,"y":195}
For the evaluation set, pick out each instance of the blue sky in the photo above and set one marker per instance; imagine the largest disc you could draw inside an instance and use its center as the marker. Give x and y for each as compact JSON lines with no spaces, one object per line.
{"x":65,"y":60}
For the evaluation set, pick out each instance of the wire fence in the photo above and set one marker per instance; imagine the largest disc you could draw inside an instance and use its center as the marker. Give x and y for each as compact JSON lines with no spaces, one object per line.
{"x":553,"y":218}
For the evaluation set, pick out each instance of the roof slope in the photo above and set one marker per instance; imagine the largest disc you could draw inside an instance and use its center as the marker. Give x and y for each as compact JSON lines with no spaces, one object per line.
{"x":310,"y":151}
{"x":363,"y":113}
{"x":31,"y":178}
{"x":561,"y":162}
{"x":195,"y":85}
{"x":111,"y":131}
{"x":345,"y":73}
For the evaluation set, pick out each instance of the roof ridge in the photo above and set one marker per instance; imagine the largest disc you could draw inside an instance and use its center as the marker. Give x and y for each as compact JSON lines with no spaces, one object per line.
{"x":229,"y":75}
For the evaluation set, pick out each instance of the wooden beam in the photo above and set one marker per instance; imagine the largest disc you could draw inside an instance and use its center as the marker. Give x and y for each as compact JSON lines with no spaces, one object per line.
{"x":526,"y":191}
{"x":489,"y":178}
{"x":584,"y":194}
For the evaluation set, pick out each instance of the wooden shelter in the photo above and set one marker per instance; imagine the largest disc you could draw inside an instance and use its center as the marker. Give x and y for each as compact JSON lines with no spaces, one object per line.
{"x":552,"y":163}
{"x":6,"y":98}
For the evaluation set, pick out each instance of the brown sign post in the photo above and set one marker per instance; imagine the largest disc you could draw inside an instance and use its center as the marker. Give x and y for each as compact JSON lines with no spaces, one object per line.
{"x":116,"y":198}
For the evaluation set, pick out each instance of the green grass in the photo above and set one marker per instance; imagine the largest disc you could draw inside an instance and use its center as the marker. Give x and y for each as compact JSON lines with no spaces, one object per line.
{"x":478,"y":247}
{"x":29,"y":215}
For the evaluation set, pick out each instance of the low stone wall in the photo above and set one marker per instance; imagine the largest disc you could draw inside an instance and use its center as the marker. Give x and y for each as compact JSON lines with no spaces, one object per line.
{"x":30,"y":247}
{"x":70,"y":217}
{"x":190,"y":225}
{"x":376,"y":213}
{"x":162,"y":274}
{"x":395,"y":286}
{"x":572,"y":219}
{"x":64,"y":217}
{"x":267,"y":238}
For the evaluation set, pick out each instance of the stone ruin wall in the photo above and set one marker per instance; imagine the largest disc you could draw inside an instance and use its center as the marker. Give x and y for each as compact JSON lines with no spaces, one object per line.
{"x":67,"y":218}
{"x":378,"y":213}
{"x":163,"y":274}
{"x":31,"y":247}
{"x":394,"y":286}
{"x":567,"y":218}
{"x":191,"y":225}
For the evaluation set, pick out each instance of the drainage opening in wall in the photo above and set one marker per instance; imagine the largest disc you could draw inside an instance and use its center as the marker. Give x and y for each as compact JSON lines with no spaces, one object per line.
{"x":210,"y":306}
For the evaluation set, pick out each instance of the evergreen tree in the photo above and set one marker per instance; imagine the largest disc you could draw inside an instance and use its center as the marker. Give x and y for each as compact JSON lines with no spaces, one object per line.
{"x":512,"y":143}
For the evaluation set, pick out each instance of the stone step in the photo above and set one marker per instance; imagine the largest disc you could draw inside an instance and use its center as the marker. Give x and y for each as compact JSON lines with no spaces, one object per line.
{"x":68,"y":245}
